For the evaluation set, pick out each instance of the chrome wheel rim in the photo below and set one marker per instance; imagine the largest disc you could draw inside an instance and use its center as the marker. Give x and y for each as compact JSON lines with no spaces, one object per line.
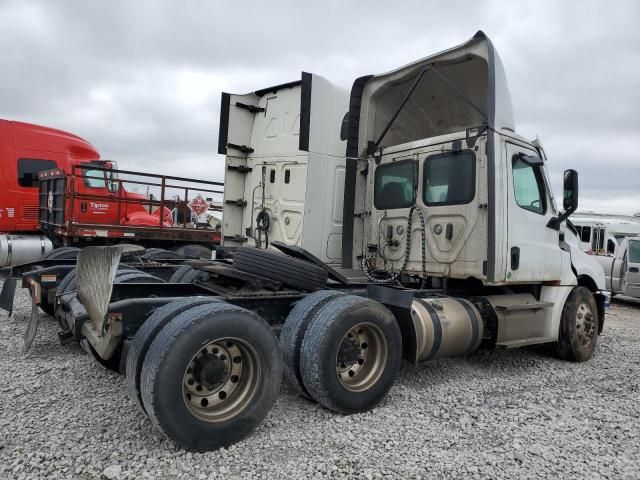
{"x":362,"y":357}
{"x":221,"y":379}
{"x":585,"y":324}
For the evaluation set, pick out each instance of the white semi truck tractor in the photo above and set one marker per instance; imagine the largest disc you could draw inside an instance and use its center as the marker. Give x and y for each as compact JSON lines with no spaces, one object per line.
{"x":413,"y":222}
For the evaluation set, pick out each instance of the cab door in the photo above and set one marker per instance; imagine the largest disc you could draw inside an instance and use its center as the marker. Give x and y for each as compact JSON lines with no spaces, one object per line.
{"x":533,"y":248}
{"x":631,"y":278}
{"x":97,"y":204}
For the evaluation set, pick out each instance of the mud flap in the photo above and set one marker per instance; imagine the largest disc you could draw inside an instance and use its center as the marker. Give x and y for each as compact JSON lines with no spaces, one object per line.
{"x":96,"y":270}
{"x":7,"y":294}
{"x":32,"y":328}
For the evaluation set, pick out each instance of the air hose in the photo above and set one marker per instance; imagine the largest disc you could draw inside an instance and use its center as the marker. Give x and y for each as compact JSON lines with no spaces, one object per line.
{"x":377,"y":276}
{"x":263,"y":223}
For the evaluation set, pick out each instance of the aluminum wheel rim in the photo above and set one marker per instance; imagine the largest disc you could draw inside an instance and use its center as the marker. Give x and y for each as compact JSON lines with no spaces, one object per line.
{"x":221,"y":379}
{"x":585,"y":324}
{"x":368,"y":360}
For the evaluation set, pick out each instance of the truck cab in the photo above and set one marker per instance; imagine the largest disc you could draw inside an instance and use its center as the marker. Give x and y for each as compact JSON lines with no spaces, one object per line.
{"x":25,"y":151}
{"x":447,"y":195}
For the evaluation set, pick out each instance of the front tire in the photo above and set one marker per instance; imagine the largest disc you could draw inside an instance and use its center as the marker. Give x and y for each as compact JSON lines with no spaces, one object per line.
{"x":578,"y":326}
{"x":211,"y":376}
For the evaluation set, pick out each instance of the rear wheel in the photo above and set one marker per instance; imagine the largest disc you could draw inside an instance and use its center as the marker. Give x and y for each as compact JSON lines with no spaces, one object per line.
{"x":211,"y":376}
{"x":193,"y":251}
{"x":293,"y":332}
{"x":145,"y":335}
{"x":186,"y":274}
{"x":129,"y":276}
{"x":154,"y":254}
{"x":578,"y":326}
{"x":62,"y":253}
{"x":68,"y":282}
{"x":351,"y":354}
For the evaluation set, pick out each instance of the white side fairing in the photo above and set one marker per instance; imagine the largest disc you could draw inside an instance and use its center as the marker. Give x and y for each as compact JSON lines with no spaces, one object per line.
{"x":284,"y":163}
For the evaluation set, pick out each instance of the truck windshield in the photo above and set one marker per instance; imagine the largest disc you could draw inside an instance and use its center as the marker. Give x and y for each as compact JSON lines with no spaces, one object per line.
{"x":634,"y":251}
{"x":395,"y":185}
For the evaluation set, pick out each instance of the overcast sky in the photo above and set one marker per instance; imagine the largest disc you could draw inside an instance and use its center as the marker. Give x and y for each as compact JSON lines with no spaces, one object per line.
{"x":141,"y":80}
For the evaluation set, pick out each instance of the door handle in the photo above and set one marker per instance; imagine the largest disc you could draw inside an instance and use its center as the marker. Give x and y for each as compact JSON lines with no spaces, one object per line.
{"x":515,"y":258}
{"x":449,"y":231}
{"x":83,"y":207}
{"x":634,"y":269}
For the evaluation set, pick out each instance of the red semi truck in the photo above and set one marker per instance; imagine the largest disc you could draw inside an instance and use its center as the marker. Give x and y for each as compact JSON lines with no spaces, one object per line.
{"x":56,"y":192}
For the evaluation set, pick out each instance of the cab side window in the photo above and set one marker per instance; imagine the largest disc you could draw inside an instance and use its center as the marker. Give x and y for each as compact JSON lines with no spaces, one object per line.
{"x":634,"y":251}
{"x":528,"y":186}
{"x":28,"y":169}
{"x":395,"y":185}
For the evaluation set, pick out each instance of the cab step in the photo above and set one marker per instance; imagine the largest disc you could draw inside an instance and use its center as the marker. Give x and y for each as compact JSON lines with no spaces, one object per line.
{"x":523,"y":342}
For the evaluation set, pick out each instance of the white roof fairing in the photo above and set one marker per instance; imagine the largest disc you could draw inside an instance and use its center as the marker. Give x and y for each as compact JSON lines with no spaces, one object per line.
{"x":462,"y":87}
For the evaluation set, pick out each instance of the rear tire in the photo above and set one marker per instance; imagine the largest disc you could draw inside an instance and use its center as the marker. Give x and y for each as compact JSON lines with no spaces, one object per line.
{"x":68,"y":282}
{"x":351,"y":354}
{"x":287,"y":270}
{"x":579,"y":322}
{"x":145,"y":336}
{"x":293,"y":332}
{"x":187,"y":355}
{"x":194,"y":251}
{"x":186,"y":274}
{"x":62,"y":253}
{"x":153,"y":254}
{"x":128,"y":276}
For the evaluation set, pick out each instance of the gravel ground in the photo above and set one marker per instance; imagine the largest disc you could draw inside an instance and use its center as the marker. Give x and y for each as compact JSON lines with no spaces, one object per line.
{"x":516,"y":414}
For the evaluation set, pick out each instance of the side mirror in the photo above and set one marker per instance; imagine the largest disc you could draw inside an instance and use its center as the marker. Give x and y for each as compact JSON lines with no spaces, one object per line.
{"x":569,"y":199}
{"x":570,"y":195}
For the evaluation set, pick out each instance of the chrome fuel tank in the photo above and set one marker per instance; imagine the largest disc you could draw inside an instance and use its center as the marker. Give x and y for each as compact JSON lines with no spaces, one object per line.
{"x":18,"y":249}
{"x":445,"y":327}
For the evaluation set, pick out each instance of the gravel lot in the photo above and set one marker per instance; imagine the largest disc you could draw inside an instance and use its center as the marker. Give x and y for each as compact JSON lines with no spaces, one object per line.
{"x":516,"y":414}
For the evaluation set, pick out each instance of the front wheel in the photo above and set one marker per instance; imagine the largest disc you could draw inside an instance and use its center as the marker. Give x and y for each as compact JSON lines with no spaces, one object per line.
{"x":578,"y":326}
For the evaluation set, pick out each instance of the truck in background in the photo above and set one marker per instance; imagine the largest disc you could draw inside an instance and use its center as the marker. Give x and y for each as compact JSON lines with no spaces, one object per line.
{"x":622,"y":270}
{"x":25,"y":151}
{"x":55,"y":192}
{"x":447,"y":216}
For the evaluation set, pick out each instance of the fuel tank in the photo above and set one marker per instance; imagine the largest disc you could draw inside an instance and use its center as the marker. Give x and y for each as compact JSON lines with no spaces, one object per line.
{"x":18,"y":249}
{"x":445,"y":327}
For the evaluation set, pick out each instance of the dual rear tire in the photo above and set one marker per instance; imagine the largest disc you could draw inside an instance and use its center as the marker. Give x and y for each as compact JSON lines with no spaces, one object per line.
{"x":343,"y":351}
{"x":205,"y":372}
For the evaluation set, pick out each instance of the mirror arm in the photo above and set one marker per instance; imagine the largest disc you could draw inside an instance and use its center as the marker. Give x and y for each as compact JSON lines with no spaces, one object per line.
{"x":554,"y":222}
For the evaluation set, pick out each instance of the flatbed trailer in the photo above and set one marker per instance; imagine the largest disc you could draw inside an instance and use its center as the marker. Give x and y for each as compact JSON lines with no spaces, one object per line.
{"x":74,"y":212}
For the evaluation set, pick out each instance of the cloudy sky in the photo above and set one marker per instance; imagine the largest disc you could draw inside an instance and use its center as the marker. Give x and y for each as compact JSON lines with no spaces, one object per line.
{"x":141,"y":80}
